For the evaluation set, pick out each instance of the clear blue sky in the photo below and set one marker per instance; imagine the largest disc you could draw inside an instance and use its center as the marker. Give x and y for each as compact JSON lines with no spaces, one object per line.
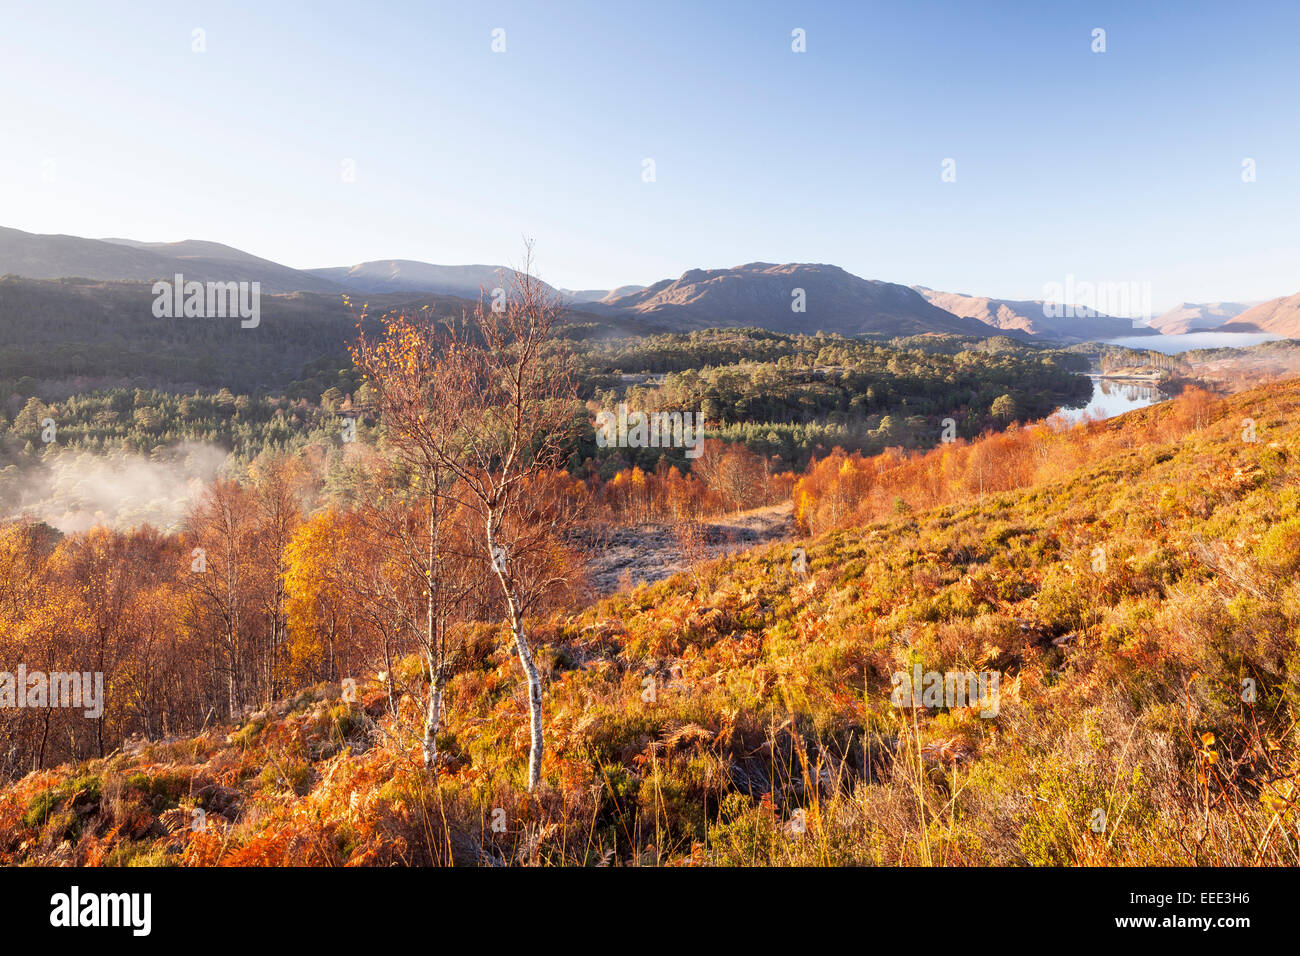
{"x":1116,"y":166}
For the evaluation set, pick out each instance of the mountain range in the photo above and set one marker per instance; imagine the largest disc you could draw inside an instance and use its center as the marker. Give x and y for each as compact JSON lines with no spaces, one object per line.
{"x":1030,"y":317}
{"x":1198,"y":317}
{"x":786,"y":298}
{"x":792,"y":297}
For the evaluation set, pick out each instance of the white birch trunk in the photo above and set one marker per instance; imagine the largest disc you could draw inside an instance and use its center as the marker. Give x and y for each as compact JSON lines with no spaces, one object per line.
{"x":534,"y":703}
{"x":526,"y":659}
{"x":432,"y":721}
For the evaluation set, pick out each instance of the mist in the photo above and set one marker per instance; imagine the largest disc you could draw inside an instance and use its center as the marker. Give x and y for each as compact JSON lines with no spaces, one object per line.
{"x":77,"y":490}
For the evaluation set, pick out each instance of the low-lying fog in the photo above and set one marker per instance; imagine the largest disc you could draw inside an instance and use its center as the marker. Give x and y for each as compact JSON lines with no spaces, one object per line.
{"x":77,"y":490}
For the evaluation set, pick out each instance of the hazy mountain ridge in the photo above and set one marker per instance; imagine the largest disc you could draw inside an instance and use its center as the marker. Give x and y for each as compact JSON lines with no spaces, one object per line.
{"x":597,"y":295}
{"x":37,"y":256}
{"x":410,"y":275}
{"x":1028,"y":316}
{"x":1199,"y":317}
{"x":1280,"y":316}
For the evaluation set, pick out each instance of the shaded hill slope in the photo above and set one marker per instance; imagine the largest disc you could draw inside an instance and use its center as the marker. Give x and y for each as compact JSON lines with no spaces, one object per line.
{"x":75,"y":334}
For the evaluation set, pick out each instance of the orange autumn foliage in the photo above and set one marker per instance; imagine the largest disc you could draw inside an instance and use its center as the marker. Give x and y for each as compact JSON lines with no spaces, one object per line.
{"x":843,"y":490}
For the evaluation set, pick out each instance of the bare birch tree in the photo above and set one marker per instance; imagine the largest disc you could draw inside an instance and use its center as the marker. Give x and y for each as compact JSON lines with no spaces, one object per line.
{"x":482,"y":411}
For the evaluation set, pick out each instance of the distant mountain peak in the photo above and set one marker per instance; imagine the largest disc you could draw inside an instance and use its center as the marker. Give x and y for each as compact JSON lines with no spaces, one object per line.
{"x":787,"y":297}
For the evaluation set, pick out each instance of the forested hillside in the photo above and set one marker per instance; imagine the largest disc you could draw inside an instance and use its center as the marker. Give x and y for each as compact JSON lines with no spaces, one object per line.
{"x":793,"y":397}
{"x":62,"y":336}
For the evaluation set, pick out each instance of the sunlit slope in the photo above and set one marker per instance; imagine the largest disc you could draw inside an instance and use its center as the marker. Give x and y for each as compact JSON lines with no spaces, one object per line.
{"x":1140,"y":610}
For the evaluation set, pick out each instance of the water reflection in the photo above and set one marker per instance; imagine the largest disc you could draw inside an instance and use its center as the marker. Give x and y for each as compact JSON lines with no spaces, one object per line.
{"x":1111,"y":397}
{"x":1174,"y":344}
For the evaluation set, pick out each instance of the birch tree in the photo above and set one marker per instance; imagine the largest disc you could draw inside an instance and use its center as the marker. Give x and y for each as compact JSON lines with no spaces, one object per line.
{"x":410,"y":511}
{"x":483,"y":411}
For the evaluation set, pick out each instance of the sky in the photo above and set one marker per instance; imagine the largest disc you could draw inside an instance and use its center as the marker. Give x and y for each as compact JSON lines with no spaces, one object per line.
{"x":328,"y":133}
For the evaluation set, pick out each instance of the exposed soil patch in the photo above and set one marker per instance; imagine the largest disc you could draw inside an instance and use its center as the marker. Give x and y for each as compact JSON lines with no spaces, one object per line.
{"x":620,"y":556}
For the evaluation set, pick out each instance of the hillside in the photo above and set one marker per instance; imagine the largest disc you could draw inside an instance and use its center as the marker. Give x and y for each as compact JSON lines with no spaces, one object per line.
{"x":1132,"y":583}
{"x":1279,"y":316}
{"x":55,"y":257}
{"x":58,"y":336}
{"x":90,"y":333}
{"x":765,"y":295}
{"x":596,"y":295}
{"x":1197,"y":317}
{"x":406,"y":275}
{"x":1028,"y":317}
